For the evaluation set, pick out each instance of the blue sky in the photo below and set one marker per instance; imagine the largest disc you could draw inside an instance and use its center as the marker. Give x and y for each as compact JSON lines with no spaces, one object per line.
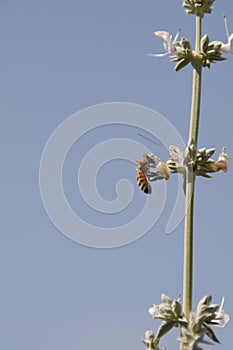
{"x":57,"y":58}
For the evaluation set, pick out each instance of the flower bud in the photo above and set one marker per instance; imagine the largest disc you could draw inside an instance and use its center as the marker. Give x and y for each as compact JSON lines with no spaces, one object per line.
{"x":198,"y":7}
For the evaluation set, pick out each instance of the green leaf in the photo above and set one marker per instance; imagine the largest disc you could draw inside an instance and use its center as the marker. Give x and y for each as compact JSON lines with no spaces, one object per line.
{"x":204,"y":301}
{"x":176,"y":307}
{"x":186,"y":44}
{"x":181,"y":64}
{"x":204,"y":175}
{"x":209,"y":332}
{"x":205,"y":42}
{"x":165,"y":328}
{"x":183,"y":323}
{"x":209,"y":310}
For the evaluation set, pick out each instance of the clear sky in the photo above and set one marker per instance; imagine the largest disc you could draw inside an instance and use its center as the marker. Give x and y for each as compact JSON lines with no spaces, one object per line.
{"x":57,"y":58}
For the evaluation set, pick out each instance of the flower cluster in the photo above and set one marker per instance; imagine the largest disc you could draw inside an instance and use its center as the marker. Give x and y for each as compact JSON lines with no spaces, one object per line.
{"x":184,"y":54}
{"x":198,"y":7}
{"x":211,"y":52}
{"x":205,"y":165}
{"x":199,"y":324}
{"x":170,"y":312}
{"x":200,"y":163}
{"x":150,"y":341}
{"x":193,"y":329}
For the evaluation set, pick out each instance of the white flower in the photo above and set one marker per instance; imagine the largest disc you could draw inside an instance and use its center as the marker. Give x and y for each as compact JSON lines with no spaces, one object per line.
{"x":169,"y":43}
{"x":154,"y":311}
{"x":228,"y":47}
{"x":176,"y":155}
{"x":221,"y":317}
{"x":223,"y":161}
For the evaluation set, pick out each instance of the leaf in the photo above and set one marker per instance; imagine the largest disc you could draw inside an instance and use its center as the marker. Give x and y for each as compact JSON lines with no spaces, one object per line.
{"x":204,"y":175}
{"x":164,"y":328}
{"x":181,"y":64}
{"x":145,"y":342}
{"x":205,"y":42}
{"x":186,"y":44}
{"x":210,"y":333}
{"x":166,"y":299}
{"x":204,"y":301}
{"x":176,"y":307}
{"x":209,"y":311}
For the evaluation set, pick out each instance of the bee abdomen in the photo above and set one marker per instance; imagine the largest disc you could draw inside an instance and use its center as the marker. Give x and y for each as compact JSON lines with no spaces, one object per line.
{"x":143,"y":183}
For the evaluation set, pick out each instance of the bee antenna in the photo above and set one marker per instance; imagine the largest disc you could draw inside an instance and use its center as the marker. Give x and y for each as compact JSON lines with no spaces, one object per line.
{"x":147,"y":138}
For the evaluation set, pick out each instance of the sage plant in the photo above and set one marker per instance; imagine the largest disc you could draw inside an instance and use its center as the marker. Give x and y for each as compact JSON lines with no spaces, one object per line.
{"x":195,"y":326}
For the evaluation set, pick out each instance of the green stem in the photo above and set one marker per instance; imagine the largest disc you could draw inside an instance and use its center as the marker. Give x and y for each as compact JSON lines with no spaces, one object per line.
{"x":190,"y":179}
{"x":196,"y":93}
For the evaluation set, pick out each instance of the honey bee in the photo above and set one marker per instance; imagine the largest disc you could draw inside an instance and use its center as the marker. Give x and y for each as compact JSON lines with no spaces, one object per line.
{"x":143,"y":182}
{"x":145,"y":174}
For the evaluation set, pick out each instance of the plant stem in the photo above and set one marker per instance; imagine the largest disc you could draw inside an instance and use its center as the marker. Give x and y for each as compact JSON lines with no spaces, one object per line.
{"x":196,"y":93}
{"x":190,"y":178}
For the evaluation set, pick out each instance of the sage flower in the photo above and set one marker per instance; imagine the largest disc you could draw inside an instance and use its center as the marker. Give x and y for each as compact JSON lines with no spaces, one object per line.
{"x":154,"y":311}
{"x":169,"y":310}
{"x":223,"y":161}
{"x":169,"y":43}
{"x":228,"y":47}
{"x":221,"y":317}
{"x":211,"y":166}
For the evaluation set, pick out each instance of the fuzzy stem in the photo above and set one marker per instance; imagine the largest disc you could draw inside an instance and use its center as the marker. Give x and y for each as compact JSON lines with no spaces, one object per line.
{"x":196,"y":93}
{"x":190,"y":179}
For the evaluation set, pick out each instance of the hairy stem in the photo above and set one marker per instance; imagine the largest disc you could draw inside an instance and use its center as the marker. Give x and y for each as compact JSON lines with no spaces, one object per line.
{"x":196,"y":93}
{"x":190,"y":179}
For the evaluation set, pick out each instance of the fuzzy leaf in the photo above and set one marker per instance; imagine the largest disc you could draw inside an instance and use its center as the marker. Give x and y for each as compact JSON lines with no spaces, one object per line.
{"x":181,"y":64}
{"x":176,"y":307}
{"x":186,"y":44}
{"x":166,"y":299}
{"x":204,"y":175}
{"x":209,"y":332}
{"x":164,"y":328}
{"x":209,"y":310}
{"x":206,"y":300}
{"x":205,"y":42}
